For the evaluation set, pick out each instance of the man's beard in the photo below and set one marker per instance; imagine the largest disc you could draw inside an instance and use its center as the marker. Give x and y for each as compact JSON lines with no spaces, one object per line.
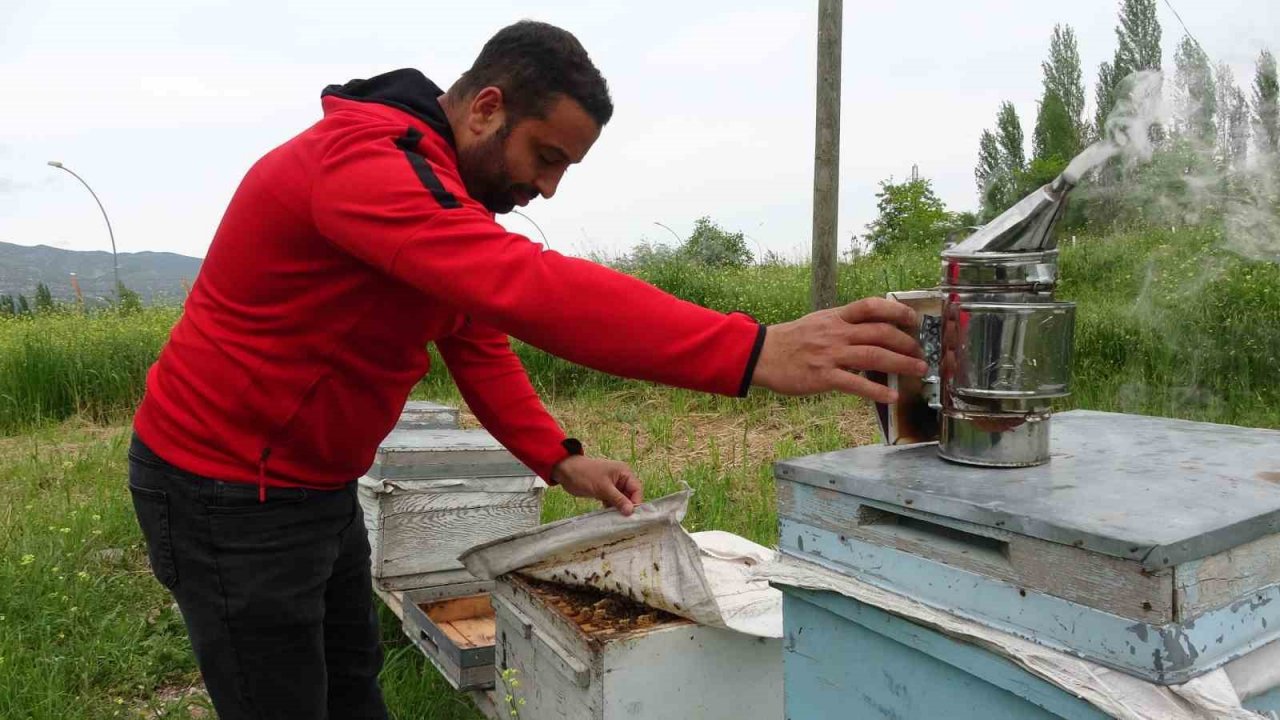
{"x":484,"y":172}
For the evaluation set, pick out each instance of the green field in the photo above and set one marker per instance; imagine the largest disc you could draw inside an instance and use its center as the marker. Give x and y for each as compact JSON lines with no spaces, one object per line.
{"x":1167,"y":325}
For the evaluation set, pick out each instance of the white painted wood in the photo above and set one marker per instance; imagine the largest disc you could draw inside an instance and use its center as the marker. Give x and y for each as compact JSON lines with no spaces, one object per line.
{"x":693,"y":672}
{"x":420,"y":581}
{"x":510,"y":484}
{"x":432,"y":541}
{"x":443,"y":453}
{"x":526,"y":656}
{"x":671,"y":671}
{"x":431,"y":494}
{"x":420,"y":503}
{"x":418,"y":528}
{"x":423,"y":415}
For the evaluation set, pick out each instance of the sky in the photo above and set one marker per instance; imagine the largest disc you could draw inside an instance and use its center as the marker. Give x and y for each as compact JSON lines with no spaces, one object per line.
{"x":163,"y":106}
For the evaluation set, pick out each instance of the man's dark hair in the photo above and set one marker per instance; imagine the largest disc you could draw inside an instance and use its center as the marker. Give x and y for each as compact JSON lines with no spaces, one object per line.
{"x":532,"y":62}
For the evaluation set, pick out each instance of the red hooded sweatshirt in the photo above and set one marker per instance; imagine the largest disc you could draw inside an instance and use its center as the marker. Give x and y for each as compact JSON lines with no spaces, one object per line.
{"x":348,"y":249}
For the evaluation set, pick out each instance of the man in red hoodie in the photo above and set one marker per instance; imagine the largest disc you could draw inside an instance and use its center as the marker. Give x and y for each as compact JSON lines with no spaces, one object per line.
{"x":343,"y":253}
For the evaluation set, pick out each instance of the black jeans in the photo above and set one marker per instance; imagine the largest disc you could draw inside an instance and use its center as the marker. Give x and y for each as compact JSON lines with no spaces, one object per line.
{"x":276,"y":596}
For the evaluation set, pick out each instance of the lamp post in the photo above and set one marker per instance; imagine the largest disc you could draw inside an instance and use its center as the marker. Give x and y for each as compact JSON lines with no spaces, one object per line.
{"x":673,"y":232}
{"x":115,"y":263}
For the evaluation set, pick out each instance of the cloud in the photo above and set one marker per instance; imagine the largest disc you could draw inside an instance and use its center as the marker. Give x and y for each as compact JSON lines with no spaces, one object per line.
{"x":735,"y":41}
{"x":9,"y":185}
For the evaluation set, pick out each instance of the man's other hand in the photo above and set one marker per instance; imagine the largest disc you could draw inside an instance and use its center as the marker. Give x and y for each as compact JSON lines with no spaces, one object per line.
{"x":611,"y":482}
{"x":824,"y":350}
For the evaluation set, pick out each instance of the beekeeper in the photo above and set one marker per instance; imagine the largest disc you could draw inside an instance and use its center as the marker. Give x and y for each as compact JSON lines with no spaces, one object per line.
{"x":343,"y":253}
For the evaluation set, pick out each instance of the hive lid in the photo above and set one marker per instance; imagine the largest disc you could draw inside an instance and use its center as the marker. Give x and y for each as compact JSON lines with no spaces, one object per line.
{"x":421,"y":414}
{"x":443,"y":453}
{"x":1156,"y":490}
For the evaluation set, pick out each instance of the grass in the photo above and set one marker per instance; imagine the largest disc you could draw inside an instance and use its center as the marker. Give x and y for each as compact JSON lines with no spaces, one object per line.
{"x":90,"y":634}
{"x":1168,"y":325}
{"x":84,"y":630}
{"x":60,"y":365}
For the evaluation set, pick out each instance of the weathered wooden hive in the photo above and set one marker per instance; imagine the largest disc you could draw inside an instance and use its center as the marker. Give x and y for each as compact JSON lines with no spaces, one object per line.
{"x":431,"y":493}
{"x":585,"y":655}
{"x":1146,"y":545}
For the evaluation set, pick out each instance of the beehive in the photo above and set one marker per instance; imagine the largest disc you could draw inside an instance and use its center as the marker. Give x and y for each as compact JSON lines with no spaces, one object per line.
{"x":1146,"y":545}
{"x":583,"y":655}
{"x":431,"y":494}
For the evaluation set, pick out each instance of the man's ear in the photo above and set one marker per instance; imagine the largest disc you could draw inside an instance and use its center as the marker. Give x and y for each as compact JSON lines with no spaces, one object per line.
{"x":487,"y":111}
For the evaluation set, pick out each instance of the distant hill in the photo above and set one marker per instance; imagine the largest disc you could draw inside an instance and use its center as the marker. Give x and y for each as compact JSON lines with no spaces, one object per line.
{"x":153,"y":275}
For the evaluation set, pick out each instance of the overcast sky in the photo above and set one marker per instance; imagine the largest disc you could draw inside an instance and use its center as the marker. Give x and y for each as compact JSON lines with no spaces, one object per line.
{"x":162,"y":106}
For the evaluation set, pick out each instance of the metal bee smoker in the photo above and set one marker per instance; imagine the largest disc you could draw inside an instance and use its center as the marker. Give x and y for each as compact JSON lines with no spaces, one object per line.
{"x":998,"y":345}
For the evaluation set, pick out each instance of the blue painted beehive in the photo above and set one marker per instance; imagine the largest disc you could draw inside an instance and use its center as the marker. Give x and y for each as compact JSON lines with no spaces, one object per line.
{"x":1147,"y":545}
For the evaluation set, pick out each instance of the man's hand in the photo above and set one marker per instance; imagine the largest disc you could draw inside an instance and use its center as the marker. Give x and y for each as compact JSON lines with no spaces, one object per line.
{"x":823,"y":350}
{"x":609,"y":481}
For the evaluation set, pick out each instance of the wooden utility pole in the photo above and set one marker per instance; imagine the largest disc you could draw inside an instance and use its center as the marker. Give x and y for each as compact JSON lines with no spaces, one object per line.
{"x":826,"y":156}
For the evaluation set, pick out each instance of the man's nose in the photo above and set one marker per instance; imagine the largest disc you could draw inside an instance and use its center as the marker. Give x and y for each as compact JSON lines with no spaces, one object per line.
{"x":547,"y":184}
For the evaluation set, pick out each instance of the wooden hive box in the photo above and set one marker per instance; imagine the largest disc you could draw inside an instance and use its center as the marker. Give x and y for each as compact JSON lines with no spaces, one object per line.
{"x":454,"y":627}
{"x":431,"y":494}
{"x":1146,"y":545}
{"x":573,"y":654}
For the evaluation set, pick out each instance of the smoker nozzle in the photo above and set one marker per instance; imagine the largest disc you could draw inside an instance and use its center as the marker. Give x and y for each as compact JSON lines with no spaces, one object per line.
{"x":1025,"y":227}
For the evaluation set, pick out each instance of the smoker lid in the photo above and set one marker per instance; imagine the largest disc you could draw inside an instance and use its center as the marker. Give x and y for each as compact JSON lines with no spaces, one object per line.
{"x":1156,"y":490}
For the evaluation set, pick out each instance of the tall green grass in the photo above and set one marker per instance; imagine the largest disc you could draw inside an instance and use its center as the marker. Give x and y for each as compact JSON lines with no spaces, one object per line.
{"x":1168,"y":324}
{"x":54,"y":366}
{"x":1171,"y":324}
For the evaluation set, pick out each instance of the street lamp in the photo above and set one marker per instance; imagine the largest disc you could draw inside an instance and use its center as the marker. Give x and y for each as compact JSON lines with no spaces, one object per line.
{"x":673,"y":232}
{"x":115,"y":263}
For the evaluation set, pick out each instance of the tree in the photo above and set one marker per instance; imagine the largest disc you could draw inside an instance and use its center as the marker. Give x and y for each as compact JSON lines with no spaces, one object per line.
{"x":1001,"y":161}
{"x":909,"y":214}
{"x":1104,"y":97}
{"x":1139,"y":38}
{"x":1198,"y":100}
{"x":1233,"y":120}
{"x":989,"y":173}
{"x":7,"y":305}
{"x":23,"y":307}
{"x":713,"y":246}
{"x":1055,"y":135}
{"x":130,"y":302}
{"x":645,"y":254}
{"x":1062,"y":77}
{"x":44,"y":298}
{"x":1266,"y":108}
{"x":1011,"y":140}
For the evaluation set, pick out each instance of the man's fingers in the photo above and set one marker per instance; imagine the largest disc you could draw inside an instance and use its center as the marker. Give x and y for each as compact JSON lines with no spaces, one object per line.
{"x":870,"y":357}
{"x":631,"y":486}
{"x":854,"y":384}
{"x":886,"y":336}
{"x":612,"y":497}
{"x":880,"y":310}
